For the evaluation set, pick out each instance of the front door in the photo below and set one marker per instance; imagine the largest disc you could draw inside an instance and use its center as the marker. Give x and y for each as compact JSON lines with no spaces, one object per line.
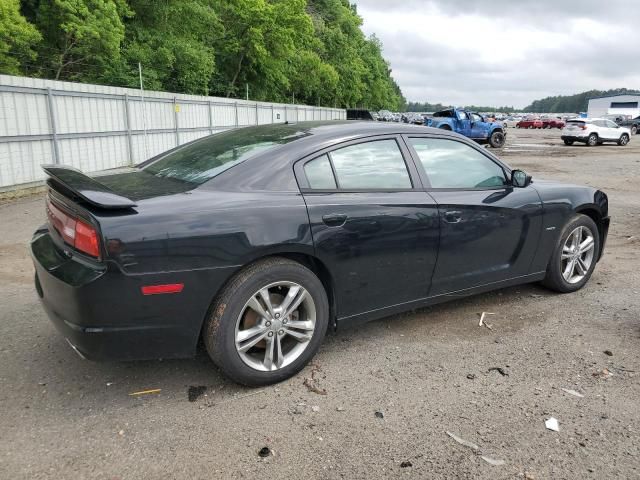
{"x":479,"y":127}
{"x":464,"y":123}
{"x":373,"y":229}
{"x":489,"y":230}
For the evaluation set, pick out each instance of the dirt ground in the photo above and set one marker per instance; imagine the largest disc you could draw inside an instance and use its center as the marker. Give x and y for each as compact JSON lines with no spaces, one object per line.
{"x":427,"y":373}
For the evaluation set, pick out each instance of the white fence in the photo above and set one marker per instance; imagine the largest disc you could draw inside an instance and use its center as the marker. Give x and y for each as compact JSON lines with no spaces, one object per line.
{"x":95,"y":127}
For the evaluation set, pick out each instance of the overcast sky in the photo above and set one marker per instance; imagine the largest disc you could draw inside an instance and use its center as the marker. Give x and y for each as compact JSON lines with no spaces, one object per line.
{"x":506,"y":52}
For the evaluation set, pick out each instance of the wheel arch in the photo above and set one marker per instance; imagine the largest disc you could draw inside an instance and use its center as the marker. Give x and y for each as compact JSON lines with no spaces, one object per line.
{"x":312,"y":262}
{"x":594,"y":214}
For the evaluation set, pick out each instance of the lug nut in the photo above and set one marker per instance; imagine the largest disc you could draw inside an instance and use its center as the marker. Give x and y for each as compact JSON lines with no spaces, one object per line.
{"x":285,"y":321}
{"x":270,"y":334}
{"x":268,"y":324}
{"x":281,"y":332}
{"x":277,"y":315}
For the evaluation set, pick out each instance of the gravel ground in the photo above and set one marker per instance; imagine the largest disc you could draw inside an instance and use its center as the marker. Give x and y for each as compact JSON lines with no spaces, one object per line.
{"x":427,"y":373}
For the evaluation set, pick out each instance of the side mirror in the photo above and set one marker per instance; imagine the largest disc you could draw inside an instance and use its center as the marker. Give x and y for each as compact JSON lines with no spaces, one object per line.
{"x":520,"y":179}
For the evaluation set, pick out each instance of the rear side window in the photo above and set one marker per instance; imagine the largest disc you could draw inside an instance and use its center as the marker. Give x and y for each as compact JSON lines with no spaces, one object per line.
{"x":451,"y":164}
{"x":371,"y":165}
{"x":319,"y":174}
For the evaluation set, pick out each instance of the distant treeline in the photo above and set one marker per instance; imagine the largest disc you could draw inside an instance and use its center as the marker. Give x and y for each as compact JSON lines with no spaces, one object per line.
{"x":434,"y":107}
{"x":572,"y":103}
{"x":559,"y":104}
{"x":313,"y":50}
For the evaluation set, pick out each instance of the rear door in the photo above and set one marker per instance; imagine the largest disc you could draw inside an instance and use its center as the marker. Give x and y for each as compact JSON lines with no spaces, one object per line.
{"x":489,"y":230}
{"x":373,"y":225}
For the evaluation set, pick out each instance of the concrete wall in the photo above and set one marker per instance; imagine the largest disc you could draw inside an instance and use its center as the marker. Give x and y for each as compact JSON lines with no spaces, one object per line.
{"x":95,"y":127}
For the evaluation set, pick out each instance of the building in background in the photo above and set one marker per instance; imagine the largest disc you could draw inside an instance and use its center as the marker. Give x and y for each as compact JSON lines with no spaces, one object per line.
{"x":621,"y":105}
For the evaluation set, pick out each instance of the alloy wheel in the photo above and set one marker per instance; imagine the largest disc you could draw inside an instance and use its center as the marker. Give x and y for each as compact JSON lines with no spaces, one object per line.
{"x":275,"y":326}
{"x":577,"y":255}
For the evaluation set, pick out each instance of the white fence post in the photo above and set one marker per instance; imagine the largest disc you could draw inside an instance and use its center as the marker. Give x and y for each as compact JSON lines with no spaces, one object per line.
{"x":52,"y":126}
{"x":127,"y":122}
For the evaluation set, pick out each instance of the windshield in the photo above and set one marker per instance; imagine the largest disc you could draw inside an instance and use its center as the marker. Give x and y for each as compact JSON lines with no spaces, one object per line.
{"x":204,"y":159}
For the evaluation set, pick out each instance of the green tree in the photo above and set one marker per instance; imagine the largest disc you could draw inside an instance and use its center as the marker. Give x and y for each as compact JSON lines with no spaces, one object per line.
{"x":173,"y":40}
{"x":82,"y":38}
{"x":17,"y":39}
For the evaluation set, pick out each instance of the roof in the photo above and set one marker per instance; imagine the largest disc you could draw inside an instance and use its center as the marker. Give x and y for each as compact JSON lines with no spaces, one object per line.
{"x":271,"y":169}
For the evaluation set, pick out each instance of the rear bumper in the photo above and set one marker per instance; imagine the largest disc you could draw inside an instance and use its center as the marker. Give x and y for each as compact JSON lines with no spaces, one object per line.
{"x":104,"y":315}
{"x":574,"y":138}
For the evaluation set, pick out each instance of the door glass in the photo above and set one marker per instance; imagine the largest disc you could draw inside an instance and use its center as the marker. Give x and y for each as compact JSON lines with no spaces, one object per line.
{"x":319,"y":174}
{"x":371,"y":165}
{"x":611,"y":124}
{"x":451,"y":164}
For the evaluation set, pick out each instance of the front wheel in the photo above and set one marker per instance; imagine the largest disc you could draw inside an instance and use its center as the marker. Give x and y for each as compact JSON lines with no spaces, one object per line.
{"x":623,"y":140}
{"x":267,"y":323}
{"x":496,"y":140}
{"x":574,"y":257}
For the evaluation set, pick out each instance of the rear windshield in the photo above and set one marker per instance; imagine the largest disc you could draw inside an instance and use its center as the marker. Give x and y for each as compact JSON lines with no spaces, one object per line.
{"x":204,"y":159}
{"x":578,"y":123}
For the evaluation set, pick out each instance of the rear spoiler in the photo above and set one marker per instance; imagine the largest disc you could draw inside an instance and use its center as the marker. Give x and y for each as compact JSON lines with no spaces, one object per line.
{"x":87,"y":188}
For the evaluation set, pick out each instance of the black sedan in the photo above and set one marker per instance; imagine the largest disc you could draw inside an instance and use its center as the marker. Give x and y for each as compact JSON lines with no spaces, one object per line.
{"x":257,"y":240}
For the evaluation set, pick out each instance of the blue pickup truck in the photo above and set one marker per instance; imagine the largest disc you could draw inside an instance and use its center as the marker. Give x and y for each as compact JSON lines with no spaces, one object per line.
{"x":469,"y":124}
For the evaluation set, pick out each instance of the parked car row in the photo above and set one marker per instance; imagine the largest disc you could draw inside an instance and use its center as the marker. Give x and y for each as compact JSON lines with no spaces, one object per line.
{"x":540,"y":123}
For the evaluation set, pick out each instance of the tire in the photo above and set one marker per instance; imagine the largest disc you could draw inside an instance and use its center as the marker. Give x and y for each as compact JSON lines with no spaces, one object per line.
{"x":445,"y":127}
{"x":623,"y":140}
{"x":568,"y":142}
{"x":229,"y":314}
{"x":517,"y":125}
{"x":496,"y":140}
{"x":634,"y":129}
{"x":555,"y":278}
{"x":530,"y":127}
{"x":592,"y":141}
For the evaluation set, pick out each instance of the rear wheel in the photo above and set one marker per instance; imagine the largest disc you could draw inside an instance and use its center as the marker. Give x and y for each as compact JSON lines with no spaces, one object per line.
{"x":568,"y":142}
{"x":267,"y":323}
{"x":496,"y":140}
{"x":634,"y":129}
{"x":623,"y":140}
{"x":592,"y":141}
{"x":574,"y":257}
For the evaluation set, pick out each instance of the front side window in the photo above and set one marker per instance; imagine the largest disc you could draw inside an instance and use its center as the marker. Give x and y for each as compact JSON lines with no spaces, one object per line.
{"x":611,"y":124}
{"x":372,"y":165}
{"x":462,"y":115}
{"x":476,"y":118}
{"x":451,"y":164}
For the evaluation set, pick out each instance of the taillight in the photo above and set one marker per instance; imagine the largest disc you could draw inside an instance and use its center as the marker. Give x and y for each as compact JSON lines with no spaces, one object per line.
{"x":75,"y":232}
{"x":583,"y":127}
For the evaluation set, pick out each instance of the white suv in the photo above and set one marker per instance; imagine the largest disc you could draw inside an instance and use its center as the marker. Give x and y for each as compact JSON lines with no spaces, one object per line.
{"x":594,"y":131}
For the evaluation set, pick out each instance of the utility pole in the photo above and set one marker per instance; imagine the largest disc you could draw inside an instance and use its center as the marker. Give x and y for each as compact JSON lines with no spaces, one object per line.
{"x":247,"y":88}
{"x":144,"y":114}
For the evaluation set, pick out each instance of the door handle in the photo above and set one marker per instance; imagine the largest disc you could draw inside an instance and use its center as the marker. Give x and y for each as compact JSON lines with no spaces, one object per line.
{"x":334,"y":219}
{"x":453,"y":216}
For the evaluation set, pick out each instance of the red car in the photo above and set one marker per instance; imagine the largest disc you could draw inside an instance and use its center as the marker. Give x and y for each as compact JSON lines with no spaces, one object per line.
{"x":552,"y":123}
{"x":529,"y":123}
